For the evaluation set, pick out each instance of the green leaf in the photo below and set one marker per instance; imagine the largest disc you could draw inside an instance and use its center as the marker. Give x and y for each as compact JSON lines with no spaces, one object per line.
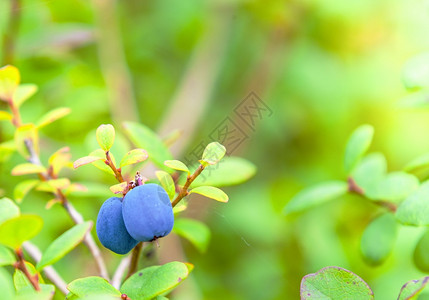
{"x":27,"y":168}
{"x":52,"y":116}
{"x":6,"y":285}
{"x":105,"y":136}
{"x":9,"y":81}
{"x":211,"y":192}
{"x":6,"y":150}
{"x":167,"y":183}
{"x":416,"y":72}
{"x":335,"y":283}
{"x":47,"y":292}
{"x":213,"y":153}
{"x":86,"y":160}
{"x":378,"y":239}
{"x":8,"y":210}
{"x":119,"y":188}
{"x":395,"y":187}
{"x":194,"y":231}
{"x":357,"y":145}
{"x":64,"y":244}
{"x":177,"y":165}
{"x":26,"y":133}
{"x":369,"y":172}
{"x":156,"y":280}
{"x":15,"y":231}
{"x":412,"y":288}
{"x":7,"y":257}
{"x":316,"y":195}
{"x":23,"y":188}
{"x":145,"y":138}
{"x":100,"y":164}
{"x":92,"y":286}
{"x":230,"y":171}
{"x":132,"y":157}
{"x":24,"y":92}
{"x":421,"y":253}
{"x":414,"y":209}
{"x":417,"y":164}
{"x":4,"y":115}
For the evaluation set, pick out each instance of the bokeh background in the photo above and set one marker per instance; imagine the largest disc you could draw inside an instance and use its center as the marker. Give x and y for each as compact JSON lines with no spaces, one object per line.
{"x":322,"y":66}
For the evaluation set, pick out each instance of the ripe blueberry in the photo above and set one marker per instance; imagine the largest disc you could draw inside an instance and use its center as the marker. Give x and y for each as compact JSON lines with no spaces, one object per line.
{"x":111,"y":229}
{"x":147,"y":212}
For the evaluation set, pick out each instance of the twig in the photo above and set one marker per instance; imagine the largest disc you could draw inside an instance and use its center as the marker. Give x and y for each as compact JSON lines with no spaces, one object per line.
{"x":20,"y":265}
{"x":49,"y":271}
{"x":184,"y":191}
{"x":120,"y":270}
{"x":11,"y":32}
{"x":116,"y":171}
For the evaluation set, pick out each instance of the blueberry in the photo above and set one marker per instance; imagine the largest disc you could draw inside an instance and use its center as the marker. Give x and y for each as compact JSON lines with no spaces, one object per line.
{"x":147,"y":212}
{"x":111,"y":229}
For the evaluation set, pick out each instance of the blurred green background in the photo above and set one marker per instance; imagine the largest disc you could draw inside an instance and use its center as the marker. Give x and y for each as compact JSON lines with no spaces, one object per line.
{"x":322,"y":66}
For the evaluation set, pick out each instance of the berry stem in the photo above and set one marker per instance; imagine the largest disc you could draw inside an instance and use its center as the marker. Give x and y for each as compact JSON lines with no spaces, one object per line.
{"x":134,"y":259}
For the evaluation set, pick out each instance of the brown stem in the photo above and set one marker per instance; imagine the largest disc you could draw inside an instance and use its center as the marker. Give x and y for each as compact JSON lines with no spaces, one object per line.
{"x":16,"y":120}
{"x":11,"y":32}
{"x":184,"y":191}
{"x":134,"y":259}
{"x":110,"y":163}
{"x":20,"y":265}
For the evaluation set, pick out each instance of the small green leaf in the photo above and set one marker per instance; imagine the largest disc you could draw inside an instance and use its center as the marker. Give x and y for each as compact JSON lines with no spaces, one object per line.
{"x":8,"y":209}
{"x":316,"y":195}
{"x":119,"y":188}
{"x":145,"y":138}
{"x":416,"y":72}
{"x":357,"y":145}
{"x":414,"y":209}
{"x":177,"y":165}
{"x":27,"y":168}
{"x":100,"y":164}
{"x":15,"y":231}
{"x":24,"y":92}
{"x":26,"y":134}
{"x":64,"y":244}
{"x":132,"y":157}
{"x":213,"y":153}
{"x":378,"y":239}
{"x":395,"y":187}
{"x":92,"y":286}
{"x":23,"y":188}
{"x":229,"y":171}
{"x":334,"y":283}
{"x":4,"y":115}
{"x":52,"y":116}
{"x":86,"y":160}
{"x":421,"y":253}
{"x":167,"y":183}
{"x":105,"y":136}
{"x":195,"y":231}
{"x":211,"y":192}
{"x":156,"y":280}
{"x":417,"y":164}
{"x":53,"y":185}
{"x":9,"y":81}
{"x":6,"y":285}
{"x":369,"y":172}
{"x":60,"y":159}
{"x":47,"y":292}
{"x":412,"y":288}
{"x":7,"y":257}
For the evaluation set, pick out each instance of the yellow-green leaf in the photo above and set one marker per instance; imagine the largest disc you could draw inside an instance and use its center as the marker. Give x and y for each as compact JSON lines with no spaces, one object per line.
{"x":86,"y":160}
{"x":8,"y":210}
{"x":177,"y":165}
{"x":27,"y":168}
{"x":23,"y":92}
{"x":9,"y":81}
{"x":6,"y":256}
{"x":132,"y":157}
{"x":15,"y":231}
{"x":4,"y":115}
{"x":92,"y":286}
{"x":27,"y":134}
{"x":166,"y":182}
{"x":105,"y":136}
{"x":52,"y":116}
{"x":53,"y":185}
{"x":211,"y":192}
{"x":22,"y":189}
{"x":119,"y":188}
{"x":60,"y":159}
{"x":213,"y":153}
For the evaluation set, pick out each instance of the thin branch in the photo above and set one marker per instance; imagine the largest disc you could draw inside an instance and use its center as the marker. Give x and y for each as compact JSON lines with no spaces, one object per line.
{"x":120,"y":270}
{"x":11,"y":32}
{"x":49,"y":271}
{"x":20,"y":265}
{"x":184,"y":191}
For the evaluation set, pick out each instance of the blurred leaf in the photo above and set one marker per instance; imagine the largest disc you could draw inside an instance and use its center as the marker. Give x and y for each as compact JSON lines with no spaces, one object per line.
{"x":26,"y":132}
{"x":418,"y":99}
{"x":394,"y":187}
{"x":414,"y":209}
{"x":181,"y":206}
{"x":156,"y":280}
{"x":213,"y":153}
{"x":47,"y":292}
{"x":118,"y":188}
{"x":7,"y":257}
{"x":101,"y":164}
{"x":177,"y":165}
{"x":211,"y":192}
{"x":27,"y":168}
{"x":316,"y":195}
{"x":132,"y":157}
{"x":378,"y":239}
{"x":4,"y":115}
{"x":369,"y":172}
{"x":92,"y":286}
{"x":412,"y":288}
{"x":52,"y":116}
{"x":64,"y":244}
{"x":357,"y":145}
{"x":8,"y":209}
{"x":172,"y":137}
{"x":334,"y":283}
{"x":6,"y":285}
{"x":53,"y":185}
{"x":9,"y":81}
{"x":60,"y":159}
{"x":23,"y":188}
{"x":167,"y":183}
{"x":89,"y":189}
{"x":15,"y":231}
{"x":6,"y":150}
{"x":105,"y":136}
{"x":195,"y":231}
{"x":24,"y":92}
{"x":86,"y":160}
{"x":421,"y":253}
{"x":416,"y":72}
{"x":229,"y":171}
{"x":421,"y":162}
{"x":145,"y":138}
